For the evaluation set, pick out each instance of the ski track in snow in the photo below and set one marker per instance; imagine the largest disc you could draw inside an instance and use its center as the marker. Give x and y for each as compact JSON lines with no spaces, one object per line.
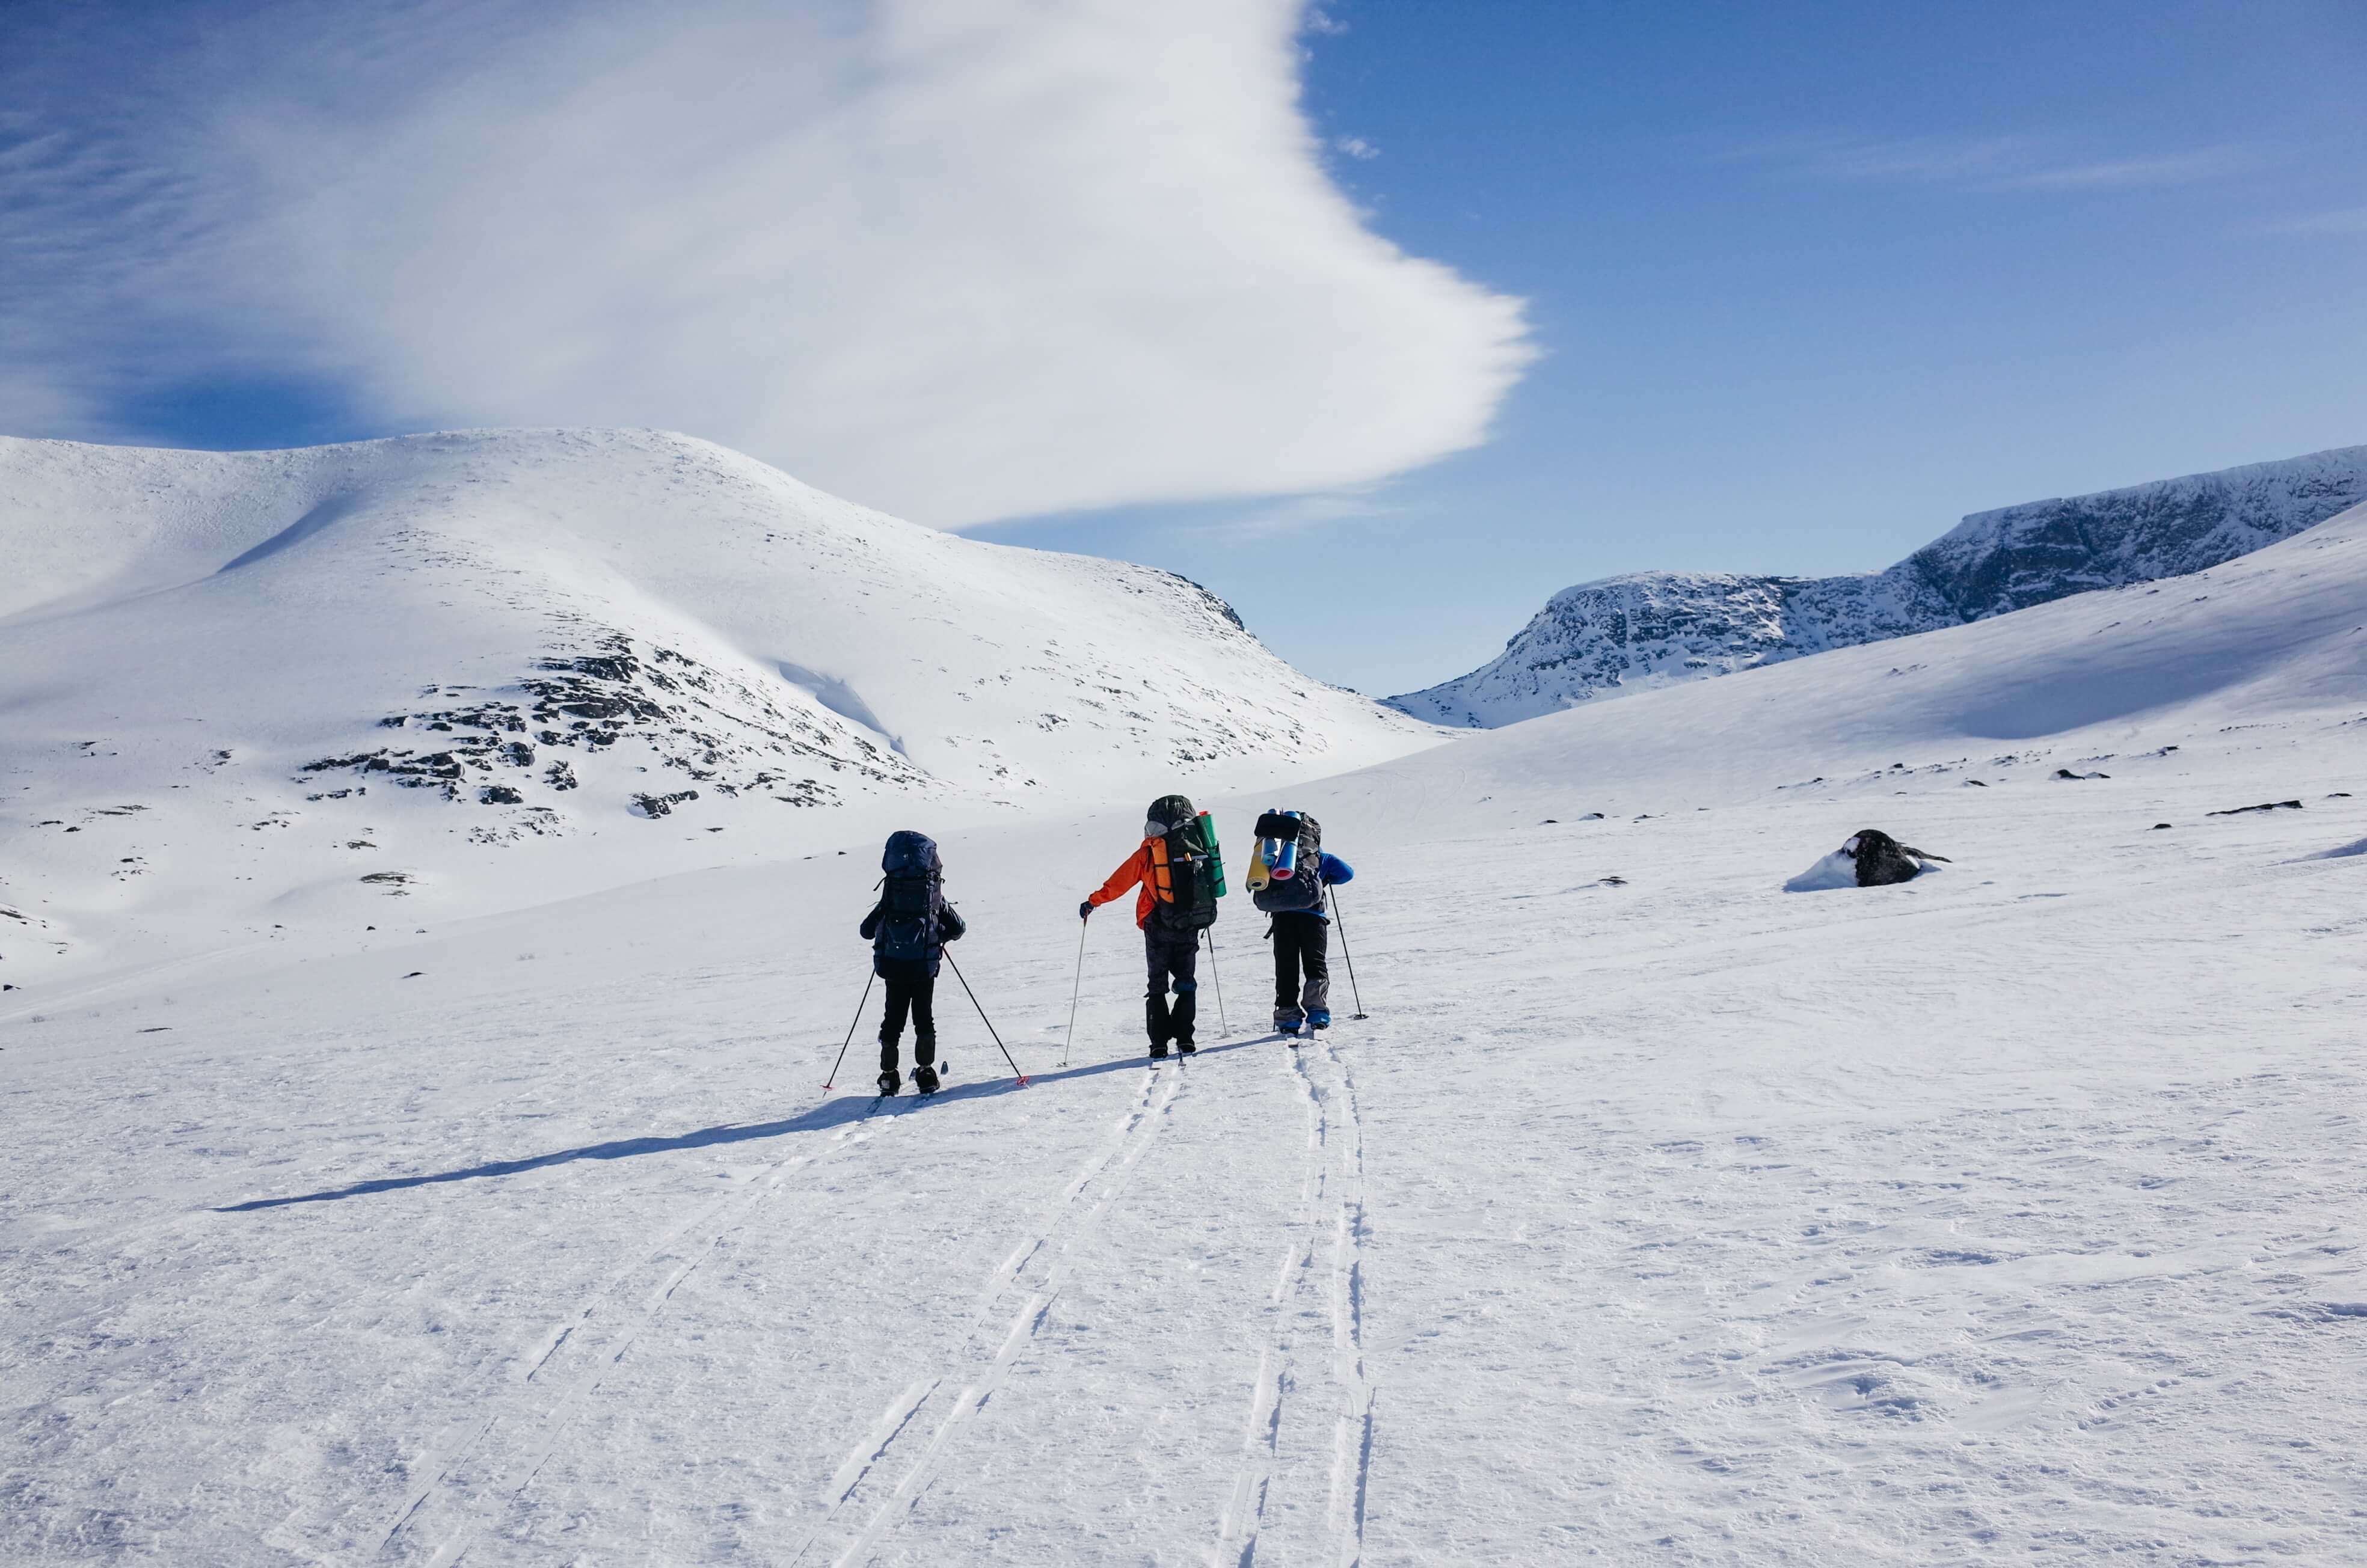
{"x":455,"y":1502}
{"x":1331,"y":1208}
{"x":1049,"y":1241}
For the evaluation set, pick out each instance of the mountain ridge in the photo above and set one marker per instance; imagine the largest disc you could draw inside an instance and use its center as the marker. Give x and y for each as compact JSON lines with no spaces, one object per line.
{"x":1642,"y":630}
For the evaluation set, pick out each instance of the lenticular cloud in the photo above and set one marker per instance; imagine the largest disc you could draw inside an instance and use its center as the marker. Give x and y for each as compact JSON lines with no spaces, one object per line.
{"x":962,"y":259}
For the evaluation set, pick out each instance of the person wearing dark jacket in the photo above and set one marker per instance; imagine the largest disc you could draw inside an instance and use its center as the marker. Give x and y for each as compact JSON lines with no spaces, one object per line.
{"x":1171,"y":947}
{"x":1302,"y":941}
{"x":908,"y":929}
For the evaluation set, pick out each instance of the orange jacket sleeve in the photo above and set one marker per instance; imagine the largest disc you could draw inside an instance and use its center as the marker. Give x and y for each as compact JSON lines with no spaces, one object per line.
{"x":1136,"y":869}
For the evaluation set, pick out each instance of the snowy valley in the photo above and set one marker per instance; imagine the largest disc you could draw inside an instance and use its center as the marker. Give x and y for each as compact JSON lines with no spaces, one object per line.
{"x":1627,"y":634}
{"x":1653,"y":1215}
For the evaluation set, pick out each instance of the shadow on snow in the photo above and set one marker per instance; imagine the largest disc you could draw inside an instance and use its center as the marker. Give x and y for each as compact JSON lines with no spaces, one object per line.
{"x":835,"y":1112}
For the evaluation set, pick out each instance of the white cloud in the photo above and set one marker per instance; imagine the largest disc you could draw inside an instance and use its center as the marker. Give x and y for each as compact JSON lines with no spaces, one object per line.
{"x":2002,"y":162}
{"x":959,"y":259}
{"x":1357,"y":147}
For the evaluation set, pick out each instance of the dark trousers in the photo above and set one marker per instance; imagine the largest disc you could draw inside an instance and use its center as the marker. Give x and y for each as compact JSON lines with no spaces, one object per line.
{"x":1301,"y":943}
{"x":1172,"y":958}
{"x":911,"y":989}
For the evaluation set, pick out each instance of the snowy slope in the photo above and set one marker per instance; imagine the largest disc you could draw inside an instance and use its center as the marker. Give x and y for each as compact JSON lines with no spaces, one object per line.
{"x":1654,"y":1216}
{"x":1649,"y":629}
{"x":488,"y":665}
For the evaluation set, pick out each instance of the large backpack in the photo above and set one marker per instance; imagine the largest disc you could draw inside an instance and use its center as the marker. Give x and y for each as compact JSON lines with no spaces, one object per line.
{"x":1290,"y":855}
{"x":911,"y":893}
{"x":1187,"y":873}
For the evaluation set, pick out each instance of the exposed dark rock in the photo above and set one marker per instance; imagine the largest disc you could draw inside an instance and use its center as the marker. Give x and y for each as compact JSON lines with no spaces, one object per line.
{"x":707,"y":723}
{"x":498,"y":794}
{"x":661,"y":805}
{"x":2231,"y":811}
{"x":1882,"y":860}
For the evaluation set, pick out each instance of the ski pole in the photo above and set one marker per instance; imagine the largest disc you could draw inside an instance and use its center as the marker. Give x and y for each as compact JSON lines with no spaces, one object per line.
{"x":1074,"y":987}
{"x":1219,"y":979}
{"x":851,"y":1028}
{"x":986,"y":1021}
{"x":1346,"y":954}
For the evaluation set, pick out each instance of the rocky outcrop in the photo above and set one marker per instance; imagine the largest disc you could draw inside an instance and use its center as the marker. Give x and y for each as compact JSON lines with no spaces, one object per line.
{"x":696,"y":720}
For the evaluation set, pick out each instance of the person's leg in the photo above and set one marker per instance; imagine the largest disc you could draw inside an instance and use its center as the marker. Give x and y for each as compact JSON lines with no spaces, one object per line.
{"x":1315,"y":957}
{"x":1285,"y":972}
{"x":1155,"y":1018}
{"x":1182,"y":963}
{"x":924,"y":1018}
{"x":892,"y":1023}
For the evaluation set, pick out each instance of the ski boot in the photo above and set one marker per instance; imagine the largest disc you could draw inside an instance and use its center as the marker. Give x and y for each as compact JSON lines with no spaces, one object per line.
{"x":925,"y":1079}
{"x":1319,"y":1019}
{"x":1159,"y":1049}
{"x":1287,"y":1025}
{"x":1186,"y":1048}
{"x":890,"y":1080}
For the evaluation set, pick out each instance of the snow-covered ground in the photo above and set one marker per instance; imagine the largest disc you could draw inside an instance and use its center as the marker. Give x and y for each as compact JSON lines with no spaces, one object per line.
{"x":1654,"y":1214}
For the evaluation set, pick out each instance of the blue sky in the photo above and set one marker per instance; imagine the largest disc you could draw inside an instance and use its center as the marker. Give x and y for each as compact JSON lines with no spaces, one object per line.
{"x":1812,"y":281}
{"x":1802,"y":284}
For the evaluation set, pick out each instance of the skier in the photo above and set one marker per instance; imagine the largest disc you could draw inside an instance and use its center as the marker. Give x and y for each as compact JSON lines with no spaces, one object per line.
{"x":1180,"y":878}
{"x":1287,"y":879}
{"x":908,"y":929}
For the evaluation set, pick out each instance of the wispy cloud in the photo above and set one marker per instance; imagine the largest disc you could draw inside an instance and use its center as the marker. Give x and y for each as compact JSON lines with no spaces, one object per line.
{"x":2347,"y":220}
{"x":1357,"y":147}
{"x":1998,"y":162}
{"x":1265,"y":520}
{"x":960,"y":259}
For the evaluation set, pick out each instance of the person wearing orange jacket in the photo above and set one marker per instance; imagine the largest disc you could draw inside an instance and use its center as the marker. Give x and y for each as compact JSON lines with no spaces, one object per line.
{"x":1171,"y":938}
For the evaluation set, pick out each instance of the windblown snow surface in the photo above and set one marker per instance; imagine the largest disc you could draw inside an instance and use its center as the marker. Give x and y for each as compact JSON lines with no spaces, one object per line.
{"x":1623,"y":635}
{"x":1654,"y":1216}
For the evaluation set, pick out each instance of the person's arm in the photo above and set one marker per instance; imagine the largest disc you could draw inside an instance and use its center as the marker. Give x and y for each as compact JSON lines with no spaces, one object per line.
{"x":951,"y":927}
{"x":1136,"y":866}
{"x":1336,"y":871}
{"x":870,"y":927}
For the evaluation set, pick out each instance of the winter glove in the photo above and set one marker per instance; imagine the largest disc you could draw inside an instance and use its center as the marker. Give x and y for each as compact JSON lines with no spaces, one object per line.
{"x":1086,"y":911}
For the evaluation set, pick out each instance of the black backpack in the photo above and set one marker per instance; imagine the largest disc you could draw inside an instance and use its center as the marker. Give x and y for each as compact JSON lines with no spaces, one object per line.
{"x":1303,"y":889}
{"x":1186,"y":878}
{"x":911,"y":893}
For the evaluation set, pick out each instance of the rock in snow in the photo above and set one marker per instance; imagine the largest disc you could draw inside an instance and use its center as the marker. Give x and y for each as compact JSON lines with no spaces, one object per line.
{"x":1633,"y":633}
{"x":1869,"y":858}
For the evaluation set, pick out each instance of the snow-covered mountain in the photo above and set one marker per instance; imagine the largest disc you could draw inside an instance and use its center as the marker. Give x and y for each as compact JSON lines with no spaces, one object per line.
{"x":456,"y":668}
{"x":1626,"y":634}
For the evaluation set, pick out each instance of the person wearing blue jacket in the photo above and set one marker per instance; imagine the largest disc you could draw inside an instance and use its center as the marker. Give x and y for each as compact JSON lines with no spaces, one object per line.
{"x":1302,"y":942}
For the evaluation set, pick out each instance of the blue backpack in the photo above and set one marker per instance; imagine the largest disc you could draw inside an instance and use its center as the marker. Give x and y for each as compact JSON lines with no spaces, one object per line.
{"x":911,"y":893}
{"x":1290,"y":845}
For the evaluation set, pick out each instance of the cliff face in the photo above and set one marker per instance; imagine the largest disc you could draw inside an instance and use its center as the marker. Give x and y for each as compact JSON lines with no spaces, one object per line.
{"x":1633,"y":633}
